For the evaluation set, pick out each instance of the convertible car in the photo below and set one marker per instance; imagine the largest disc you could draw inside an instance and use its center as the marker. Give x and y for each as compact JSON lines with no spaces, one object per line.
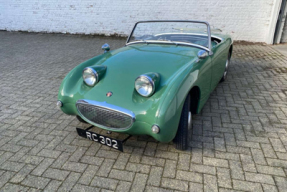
{"x":151,"y":86}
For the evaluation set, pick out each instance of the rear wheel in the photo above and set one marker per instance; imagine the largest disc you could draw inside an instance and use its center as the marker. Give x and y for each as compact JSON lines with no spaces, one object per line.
{"x":226,"y":68}
{"x":185,"y":127}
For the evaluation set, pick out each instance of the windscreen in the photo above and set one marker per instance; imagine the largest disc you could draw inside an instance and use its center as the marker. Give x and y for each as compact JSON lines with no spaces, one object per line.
{"x":170,"y":32}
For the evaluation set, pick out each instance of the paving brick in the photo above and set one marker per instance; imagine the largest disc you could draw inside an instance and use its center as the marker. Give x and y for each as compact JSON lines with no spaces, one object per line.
{"x":246,"y":186}
{"x":169,"y":169}
{"x":258,"y":156}
{"x":259,"y":178}
{"x":155,"y":176}
{"x":136,"y":155}
{"x":69,"y":183}
{"x":30,"y":159}
{"x":236,"y":170}
{"x":107,"y":154}
{"x":215,"y":162}
{"x":281,"y":155}
{"x":189,"y":176}
{"x":123,"y":186}
{"x":248,"y":163}
{"x":105,"y":183}
{"x":202,"y":169}
{"x":13,"y":187}
{"x":12,"y":166}
{"x":39,"y":170}
{"x":153,"y":161}
{"x":78,"y":154}
{"x":270,"y":170}
{"x":56,"y":174}
{"x":281,"y":183}
{"x":134,"y":167}
{"x":106,"y":167}
{"x":121,"y":161}
{"x":150,"y":149}
{"x":195,"y":187}
{"x":157,"y":189}
{"x":224,"y":178}
{"x":5,"y":177}
{"x":49,"y":153}
{"x":118,"y":174}
{"x":174,"y":184}
{"x":88,"y":175}
{"x":268,"y":151}
{"x":5,"y":156}
{"x":61,"y":160}
{"x":72,"y":166}
{"x":277,"y":162}
{"x":269,"y":188}
{"x":36,"y":182}
{"x":210,"y":183}
{"x":166,"y":155}
{"x":22,"y":173}
{"x":183,"y":162}
{"x":52,"y":186}
{"x":92,"y":160}
{"x":84,"y":188}
{"x":139,"y":182}
{"x":277,"y":145}
{"x":224,"y":155}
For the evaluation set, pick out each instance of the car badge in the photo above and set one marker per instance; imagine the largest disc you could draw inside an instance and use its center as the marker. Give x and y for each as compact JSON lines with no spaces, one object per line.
{"x":109,"y":94}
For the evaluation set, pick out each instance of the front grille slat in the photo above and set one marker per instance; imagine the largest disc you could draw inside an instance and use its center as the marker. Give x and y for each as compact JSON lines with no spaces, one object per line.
{"x":108,"y":118}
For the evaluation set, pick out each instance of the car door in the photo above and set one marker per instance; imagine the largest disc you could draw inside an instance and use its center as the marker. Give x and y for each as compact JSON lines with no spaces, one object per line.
{"x":218,"y":64}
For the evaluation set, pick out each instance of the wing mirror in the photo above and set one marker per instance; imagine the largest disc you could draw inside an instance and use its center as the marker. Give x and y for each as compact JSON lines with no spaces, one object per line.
{"x":106,"y":47}
{"x":202,"y":54}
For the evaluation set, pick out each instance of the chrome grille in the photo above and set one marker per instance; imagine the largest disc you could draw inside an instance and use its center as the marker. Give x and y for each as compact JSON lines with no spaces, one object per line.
{"x":98,"y":113}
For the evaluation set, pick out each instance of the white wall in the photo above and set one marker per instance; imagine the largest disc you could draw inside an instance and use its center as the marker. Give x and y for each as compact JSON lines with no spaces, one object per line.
{"x":244,"y":19}
{"x":284,"y":34}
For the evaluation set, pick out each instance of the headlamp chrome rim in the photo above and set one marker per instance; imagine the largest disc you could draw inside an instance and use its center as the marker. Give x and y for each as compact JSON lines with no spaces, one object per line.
{"x":150,"y":81}
{"x":95,"y":74}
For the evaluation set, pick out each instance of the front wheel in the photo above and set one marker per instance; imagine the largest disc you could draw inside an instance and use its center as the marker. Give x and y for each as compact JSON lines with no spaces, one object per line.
{"x":185,"y":127}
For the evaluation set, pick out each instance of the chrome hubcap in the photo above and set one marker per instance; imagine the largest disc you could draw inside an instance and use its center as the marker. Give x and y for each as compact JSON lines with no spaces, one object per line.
{"x":189,"y":120}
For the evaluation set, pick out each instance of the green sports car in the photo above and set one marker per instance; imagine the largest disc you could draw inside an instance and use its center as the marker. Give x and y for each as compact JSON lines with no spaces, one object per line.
{"x":152,"y":85}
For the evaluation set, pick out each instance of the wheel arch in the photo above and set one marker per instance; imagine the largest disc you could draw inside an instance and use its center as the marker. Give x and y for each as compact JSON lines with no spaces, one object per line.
{"x":194,"y":99}
{"x":230,"y":49}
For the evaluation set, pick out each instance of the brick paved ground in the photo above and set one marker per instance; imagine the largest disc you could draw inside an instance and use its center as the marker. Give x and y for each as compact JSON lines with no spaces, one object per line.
{"x":239,"y":141}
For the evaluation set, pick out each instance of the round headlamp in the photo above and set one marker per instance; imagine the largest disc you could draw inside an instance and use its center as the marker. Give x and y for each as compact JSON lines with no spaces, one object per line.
{"x":144,"y":85}
{"x":90,"y":76}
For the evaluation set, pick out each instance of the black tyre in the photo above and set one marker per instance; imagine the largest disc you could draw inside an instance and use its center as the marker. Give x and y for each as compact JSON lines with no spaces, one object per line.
{"x":185,"y":127}
{"x":80,"y":119}
{"x":224,"y":76}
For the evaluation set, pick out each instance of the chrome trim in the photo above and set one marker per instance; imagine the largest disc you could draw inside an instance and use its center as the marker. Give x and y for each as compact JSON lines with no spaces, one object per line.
{"x":94,"y":72}
{"x":202,"y":54}
{"x":108,"y":106}
{"x":167,"y":42}
{"x":156,"y":127}
{"x":214,"y":36}
{"x":59,"y":104}
{"x":150,"y":80}
{"x":191,"y":21}
{"x":106,"y":47}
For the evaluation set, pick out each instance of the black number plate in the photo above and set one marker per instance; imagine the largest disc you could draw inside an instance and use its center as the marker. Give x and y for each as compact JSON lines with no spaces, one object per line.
{"x":104,"y":140}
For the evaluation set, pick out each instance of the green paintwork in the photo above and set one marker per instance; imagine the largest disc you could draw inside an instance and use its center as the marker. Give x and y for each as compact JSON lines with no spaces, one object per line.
{"x":179,"y":69}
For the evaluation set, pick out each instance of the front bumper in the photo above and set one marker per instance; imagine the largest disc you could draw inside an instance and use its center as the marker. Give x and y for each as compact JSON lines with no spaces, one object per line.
{"x":139,"y":125}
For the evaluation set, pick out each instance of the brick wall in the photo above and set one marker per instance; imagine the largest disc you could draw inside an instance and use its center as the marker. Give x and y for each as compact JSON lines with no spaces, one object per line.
{"x":243,"y":19}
